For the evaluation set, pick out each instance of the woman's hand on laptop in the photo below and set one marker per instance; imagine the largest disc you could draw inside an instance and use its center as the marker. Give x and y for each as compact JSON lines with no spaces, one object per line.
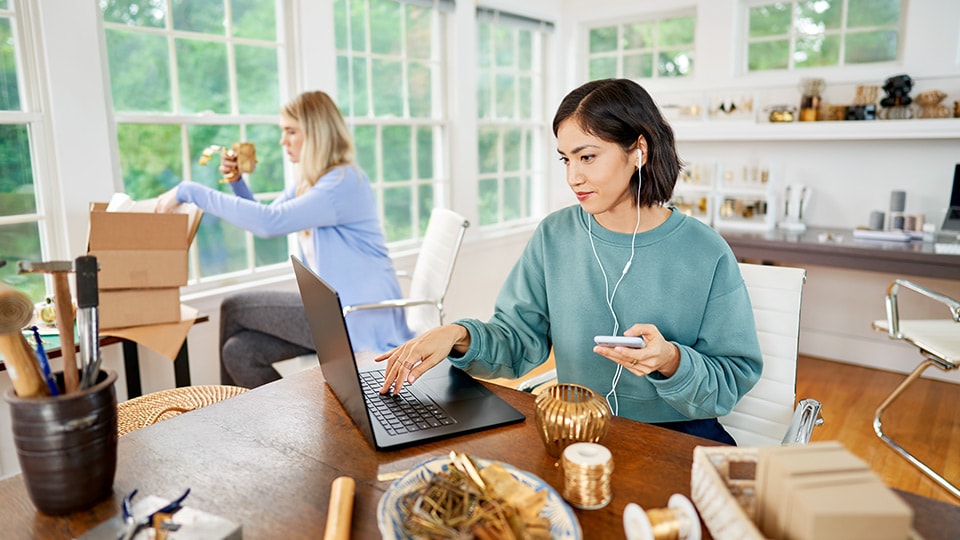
{"x":409,"y":361}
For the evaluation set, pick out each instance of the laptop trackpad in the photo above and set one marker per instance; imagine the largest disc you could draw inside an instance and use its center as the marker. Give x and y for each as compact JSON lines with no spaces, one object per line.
{"x":452,"y":386}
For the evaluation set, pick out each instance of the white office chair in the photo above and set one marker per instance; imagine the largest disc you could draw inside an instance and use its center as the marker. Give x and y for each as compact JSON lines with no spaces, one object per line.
{"x":766,"y":415}
{"x":939,"y":343}
{"x":431,"y":274}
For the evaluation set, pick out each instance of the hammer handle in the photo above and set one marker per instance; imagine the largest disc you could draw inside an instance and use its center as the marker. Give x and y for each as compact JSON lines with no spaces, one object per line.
{"x":22,"y":365}
{"x":64,"y":306}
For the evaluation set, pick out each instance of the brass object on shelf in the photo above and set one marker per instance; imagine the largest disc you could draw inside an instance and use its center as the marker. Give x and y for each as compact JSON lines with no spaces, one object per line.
{"x":568,"y":413}
{"x":781,"y":113}
{"x":929,"y":105}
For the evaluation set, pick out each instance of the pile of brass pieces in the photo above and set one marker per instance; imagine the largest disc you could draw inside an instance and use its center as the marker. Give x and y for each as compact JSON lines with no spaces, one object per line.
{"x":466,"y":501}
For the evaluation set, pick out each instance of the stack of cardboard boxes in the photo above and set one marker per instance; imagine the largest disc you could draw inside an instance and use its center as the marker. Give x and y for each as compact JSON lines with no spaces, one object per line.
{"x":822,"y":491}
{"x":143,"y":263}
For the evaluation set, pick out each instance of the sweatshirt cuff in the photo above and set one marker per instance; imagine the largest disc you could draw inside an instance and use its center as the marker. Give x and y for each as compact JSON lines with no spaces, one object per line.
{"x":473,"y":351}
{"x":680,"y":377}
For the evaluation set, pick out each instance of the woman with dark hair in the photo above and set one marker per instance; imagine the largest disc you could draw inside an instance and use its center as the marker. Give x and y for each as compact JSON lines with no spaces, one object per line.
{"x":333,"y":210}
{"x":620,"y":262}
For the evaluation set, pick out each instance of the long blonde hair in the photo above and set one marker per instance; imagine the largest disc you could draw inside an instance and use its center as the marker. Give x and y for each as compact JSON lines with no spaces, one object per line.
{"x":326,"y":139}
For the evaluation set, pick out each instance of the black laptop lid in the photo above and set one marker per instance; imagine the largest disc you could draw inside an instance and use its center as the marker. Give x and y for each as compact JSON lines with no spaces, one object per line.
{"x":332,"y":343}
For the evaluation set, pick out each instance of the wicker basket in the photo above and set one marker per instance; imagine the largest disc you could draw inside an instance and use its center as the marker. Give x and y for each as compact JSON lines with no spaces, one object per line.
{"x":723,"y":487}
{"x":142,"y":411}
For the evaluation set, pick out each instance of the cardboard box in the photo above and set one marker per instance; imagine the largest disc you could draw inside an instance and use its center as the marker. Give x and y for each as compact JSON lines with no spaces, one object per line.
{"x":143,"y":259}
{"x":136,"y":307}
{"x":141,"y":249}
{"x":789,"y":470}
{"x":141,"y":269}
{"x":840,"y":512}
{"x":766,"y":485}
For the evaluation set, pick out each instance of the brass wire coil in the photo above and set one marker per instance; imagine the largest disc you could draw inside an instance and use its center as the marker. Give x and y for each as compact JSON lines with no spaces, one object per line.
{"x":587,"y":468}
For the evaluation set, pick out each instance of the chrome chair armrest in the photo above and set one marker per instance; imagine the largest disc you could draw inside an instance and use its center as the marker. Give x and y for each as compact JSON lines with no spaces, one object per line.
{"x":393,"y":303}
{"x":805,"y":418}
{"x":893,"y":308}
{"x":532,"y":383}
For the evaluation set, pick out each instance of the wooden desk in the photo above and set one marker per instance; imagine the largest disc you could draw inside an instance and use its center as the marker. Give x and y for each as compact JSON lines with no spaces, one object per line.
{"x":840,"y":249}
{"x":267,"y":458}
{"x":131,"y":361}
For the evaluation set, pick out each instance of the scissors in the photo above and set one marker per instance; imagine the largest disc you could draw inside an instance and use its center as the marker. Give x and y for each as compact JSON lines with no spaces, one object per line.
{"x":132,"y":526}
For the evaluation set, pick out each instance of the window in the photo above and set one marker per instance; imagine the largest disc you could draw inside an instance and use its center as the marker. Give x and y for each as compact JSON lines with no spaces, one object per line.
{"x":812,"y":33}
{"x":389,"y":77}
{"x":24,"y":220}
{"x":511,"y":126}
{"x":187,"y":75}
{"x":643,"y":49}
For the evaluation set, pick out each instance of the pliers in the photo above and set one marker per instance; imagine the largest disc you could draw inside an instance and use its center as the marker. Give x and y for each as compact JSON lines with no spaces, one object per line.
{"x":132,"y":526}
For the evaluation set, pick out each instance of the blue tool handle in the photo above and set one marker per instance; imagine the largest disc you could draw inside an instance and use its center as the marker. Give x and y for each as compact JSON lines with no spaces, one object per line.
{"x":45,"y":363}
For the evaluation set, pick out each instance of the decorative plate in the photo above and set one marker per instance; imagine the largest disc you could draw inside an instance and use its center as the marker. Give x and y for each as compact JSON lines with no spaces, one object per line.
{"x":563,"y":522}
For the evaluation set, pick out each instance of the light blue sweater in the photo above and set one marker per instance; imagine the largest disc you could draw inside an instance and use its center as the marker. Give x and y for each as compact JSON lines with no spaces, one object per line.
{"x":683,"y":278}
{"x":340,"y":211}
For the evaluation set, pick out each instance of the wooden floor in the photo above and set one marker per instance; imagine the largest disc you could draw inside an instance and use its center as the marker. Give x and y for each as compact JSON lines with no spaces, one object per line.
{"x":925,"y":420}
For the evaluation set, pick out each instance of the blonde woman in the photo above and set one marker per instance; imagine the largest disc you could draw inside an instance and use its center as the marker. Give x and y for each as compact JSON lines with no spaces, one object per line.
{"x":333,"y":210}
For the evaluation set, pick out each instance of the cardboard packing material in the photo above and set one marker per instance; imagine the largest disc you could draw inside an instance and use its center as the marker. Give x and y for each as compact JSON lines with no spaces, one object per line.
{"x":852,"y":510}
{"x":143,"y":262}
{"x":136,"y":307}
{"x":799,"y":463}
{"x":767,"y":455}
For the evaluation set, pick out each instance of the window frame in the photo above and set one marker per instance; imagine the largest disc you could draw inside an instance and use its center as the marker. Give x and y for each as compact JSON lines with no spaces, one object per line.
{"x":438,"y":123}
{"x":653,"y":17}
{"x":793,"y":35}
{"x":533,"y":177}
{"x":34,"y":116}
{"x":285,"y":47}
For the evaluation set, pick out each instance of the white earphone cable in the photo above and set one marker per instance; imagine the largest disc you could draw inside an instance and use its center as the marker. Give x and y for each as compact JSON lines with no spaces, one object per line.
{"x":608,"y":296}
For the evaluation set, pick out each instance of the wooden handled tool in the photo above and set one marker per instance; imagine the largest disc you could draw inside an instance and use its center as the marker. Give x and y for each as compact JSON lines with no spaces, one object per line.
{"x":63,"y":303}
{"x":16,"y":310}
{"x":340,"y":512}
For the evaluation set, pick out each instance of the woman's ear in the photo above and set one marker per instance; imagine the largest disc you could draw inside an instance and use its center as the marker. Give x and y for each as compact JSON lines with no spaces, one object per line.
{"x":641,"y":151}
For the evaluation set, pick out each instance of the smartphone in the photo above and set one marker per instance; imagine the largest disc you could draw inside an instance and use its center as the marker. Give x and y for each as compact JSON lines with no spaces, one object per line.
{"x":620,"y":341}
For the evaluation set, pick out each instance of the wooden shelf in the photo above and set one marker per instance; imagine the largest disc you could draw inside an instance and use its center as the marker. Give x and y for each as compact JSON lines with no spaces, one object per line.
{"x":867,"y":130}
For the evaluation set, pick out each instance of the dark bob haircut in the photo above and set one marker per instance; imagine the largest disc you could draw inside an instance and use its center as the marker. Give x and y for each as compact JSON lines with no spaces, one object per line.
{"x":620,"y":111}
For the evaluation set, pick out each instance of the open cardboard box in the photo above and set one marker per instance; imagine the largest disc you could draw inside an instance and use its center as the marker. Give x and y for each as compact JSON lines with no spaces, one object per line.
{"x":143,"y":261}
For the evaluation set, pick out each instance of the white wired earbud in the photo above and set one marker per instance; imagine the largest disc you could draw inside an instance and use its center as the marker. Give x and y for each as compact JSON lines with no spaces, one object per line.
{"x":615,"y":404}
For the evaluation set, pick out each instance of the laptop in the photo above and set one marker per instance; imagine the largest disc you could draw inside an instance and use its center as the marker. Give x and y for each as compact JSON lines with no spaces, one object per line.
{"x":450,"y":402}
{"x":952,"y":220}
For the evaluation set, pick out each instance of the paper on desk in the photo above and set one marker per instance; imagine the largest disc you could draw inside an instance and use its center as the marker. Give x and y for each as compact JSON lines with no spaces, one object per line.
{"x":165,"y":339}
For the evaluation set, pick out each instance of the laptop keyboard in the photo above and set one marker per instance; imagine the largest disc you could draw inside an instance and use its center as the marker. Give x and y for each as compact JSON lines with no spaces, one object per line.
{"x":401,"y":413}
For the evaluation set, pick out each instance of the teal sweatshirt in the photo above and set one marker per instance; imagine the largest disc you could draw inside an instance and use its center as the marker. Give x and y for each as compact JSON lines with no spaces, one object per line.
{"x":683,"y":278}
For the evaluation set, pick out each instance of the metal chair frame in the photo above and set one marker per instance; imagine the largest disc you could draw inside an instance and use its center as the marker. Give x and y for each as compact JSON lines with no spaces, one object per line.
{"x":438,"y":253}
{"x":927,"y":337}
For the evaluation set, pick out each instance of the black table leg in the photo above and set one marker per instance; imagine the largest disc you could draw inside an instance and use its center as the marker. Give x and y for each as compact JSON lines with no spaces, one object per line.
{"x":131,"y":366}
{"x":181,"y":367}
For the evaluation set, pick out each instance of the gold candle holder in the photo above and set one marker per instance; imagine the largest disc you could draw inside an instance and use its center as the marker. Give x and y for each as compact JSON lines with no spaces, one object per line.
{"x":569,"y":413}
